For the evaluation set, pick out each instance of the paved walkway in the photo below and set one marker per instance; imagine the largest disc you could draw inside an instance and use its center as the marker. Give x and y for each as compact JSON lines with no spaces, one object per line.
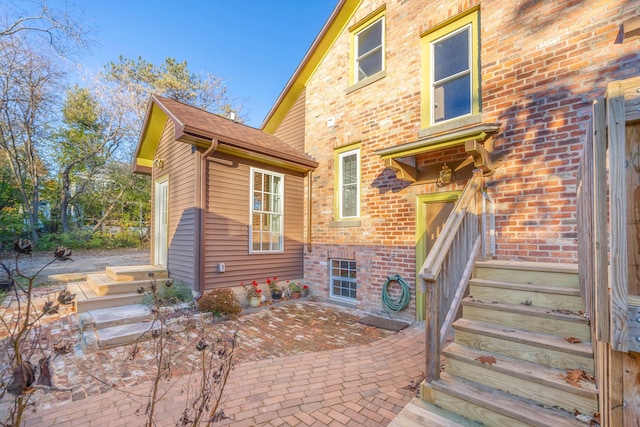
{"x":306,"y":363}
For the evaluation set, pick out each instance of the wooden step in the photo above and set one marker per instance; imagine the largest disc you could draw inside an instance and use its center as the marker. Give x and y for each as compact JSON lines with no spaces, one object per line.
{"x":493,"y":407}
{"x":520,"y":378}
{"x":528,"y":272}
{"x":557,"y":297}
{"x":87,"y":299}
{"x":528,"y":318}
{"x":102,"y":285}
{"x":420,"y":413}
{"x":548,"y":350}
{"x":136,"y":272}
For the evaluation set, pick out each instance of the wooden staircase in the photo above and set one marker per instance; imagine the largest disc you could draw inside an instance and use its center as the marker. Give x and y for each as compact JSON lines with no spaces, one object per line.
{"x":115,"y":287}
{"x":522,"y":328}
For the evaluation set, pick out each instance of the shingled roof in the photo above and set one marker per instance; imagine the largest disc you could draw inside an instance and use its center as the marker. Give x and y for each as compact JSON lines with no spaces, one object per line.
{"x":200,"y":128}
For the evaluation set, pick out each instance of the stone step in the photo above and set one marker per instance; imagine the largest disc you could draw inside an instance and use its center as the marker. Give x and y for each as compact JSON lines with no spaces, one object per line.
{"x":125,"y":334}
{"x":556,"y":297}
{"x":136,"y":272}
{"x":562,"y":323}
{"x":520,"y":378}
{"x":114,"y":316}
{"x":102,"y":285}
{"x":493,"y":407}
{"x":548,"y":350}
{"x":528,"y":272}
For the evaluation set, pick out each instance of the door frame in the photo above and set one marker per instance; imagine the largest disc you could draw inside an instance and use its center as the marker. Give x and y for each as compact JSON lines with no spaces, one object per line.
{"x":422,"y":200}
{"x":161,"y":231}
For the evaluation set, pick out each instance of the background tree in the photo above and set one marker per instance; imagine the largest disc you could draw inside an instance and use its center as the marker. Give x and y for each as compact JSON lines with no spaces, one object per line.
{"x":31,"y":46}
{"x":87,"y":141}
{"x":27,"y":104}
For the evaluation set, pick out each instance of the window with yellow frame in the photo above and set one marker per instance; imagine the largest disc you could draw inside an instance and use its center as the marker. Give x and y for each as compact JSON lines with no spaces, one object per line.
{"x":347,"y":182}
{"x":450,"y":60}
{"x":367,"y":47}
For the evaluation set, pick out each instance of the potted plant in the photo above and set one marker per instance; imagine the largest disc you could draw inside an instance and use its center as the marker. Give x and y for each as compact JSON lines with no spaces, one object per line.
{"x":295,"y":290}
{"x":254,"y":293}
{"x":305,"y":291}
{"x":276,"y":292}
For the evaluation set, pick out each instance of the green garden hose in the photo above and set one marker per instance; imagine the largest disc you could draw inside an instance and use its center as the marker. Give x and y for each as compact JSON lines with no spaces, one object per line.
{"x":402,"y":301}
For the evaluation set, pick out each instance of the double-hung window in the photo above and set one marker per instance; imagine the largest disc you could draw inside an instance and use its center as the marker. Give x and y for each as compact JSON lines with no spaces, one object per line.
{"x":367,"y":55}
{"x":267,"y":198}
{"x":348,"y":182}
{"x":450,"y":59}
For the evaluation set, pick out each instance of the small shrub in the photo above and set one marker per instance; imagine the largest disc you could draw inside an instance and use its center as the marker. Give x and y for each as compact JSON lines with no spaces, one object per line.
{"x":220,"y":302}
{"x":169,"y":292}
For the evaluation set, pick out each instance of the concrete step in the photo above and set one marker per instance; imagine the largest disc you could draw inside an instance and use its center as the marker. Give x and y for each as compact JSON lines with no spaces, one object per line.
{"x":114,"y":316}
{"x":136,"y":272}
{"x":125,"y":334}
{"x":102,"y":285}
{"x":539,"y":273}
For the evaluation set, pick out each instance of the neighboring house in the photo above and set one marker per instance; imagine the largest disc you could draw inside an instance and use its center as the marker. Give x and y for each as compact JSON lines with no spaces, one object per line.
{"x":401,"y":103}
{"x":227,"y":199}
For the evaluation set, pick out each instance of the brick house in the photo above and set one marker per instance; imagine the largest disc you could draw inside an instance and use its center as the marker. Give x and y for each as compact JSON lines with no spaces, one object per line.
{"x":405,"y":105}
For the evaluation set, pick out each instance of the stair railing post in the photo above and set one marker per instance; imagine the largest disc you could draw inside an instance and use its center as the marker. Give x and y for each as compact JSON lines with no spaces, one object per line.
{"x":432,"y":326}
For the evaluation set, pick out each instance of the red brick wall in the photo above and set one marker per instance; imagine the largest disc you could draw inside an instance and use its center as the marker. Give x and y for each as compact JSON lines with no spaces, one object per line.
{"x":543,"y":63}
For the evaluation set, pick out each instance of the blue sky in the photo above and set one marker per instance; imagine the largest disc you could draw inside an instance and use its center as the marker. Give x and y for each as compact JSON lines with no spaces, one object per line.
{"x":253,"y":45}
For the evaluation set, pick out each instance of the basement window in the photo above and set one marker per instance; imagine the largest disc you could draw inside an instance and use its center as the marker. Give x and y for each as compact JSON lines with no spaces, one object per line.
{"x":343,"y":279}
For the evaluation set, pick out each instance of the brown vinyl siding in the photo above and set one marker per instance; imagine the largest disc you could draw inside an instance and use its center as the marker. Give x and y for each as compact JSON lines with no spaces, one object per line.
{"x":291,"y":130}
{"x":179,"y":165}
{"x":227,"y":226}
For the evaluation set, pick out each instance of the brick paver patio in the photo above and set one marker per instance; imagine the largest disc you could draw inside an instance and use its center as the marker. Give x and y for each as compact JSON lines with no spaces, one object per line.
{"x":307,"y":363}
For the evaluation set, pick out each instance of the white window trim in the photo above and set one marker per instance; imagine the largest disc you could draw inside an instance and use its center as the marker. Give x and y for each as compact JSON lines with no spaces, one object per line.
{"x":470,"y":72}
{"x":348,"y":279}
{"x":382,"y":48}
{"x":251,"y":201}
{"x":355,"y":151}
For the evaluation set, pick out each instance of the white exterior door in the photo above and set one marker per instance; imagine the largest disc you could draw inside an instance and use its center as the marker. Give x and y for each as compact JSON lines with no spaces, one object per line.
{"x":161,"y":221}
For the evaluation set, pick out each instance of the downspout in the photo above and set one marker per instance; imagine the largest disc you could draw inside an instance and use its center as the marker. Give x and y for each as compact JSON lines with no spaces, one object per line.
{"x":200,"y":209}
{"x":309,"y":200}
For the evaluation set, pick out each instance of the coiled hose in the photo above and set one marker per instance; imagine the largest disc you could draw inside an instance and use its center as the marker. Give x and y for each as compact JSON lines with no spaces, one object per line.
{"x":396,"y":304}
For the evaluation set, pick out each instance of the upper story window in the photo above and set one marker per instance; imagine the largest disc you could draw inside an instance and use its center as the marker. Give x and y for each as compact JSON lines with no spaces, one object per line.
{"x":450,"y":54}
{"x":266,"y":230}
{"x":367,"y":48}
{"x":369,"y":51}
{"x":348,"y":183}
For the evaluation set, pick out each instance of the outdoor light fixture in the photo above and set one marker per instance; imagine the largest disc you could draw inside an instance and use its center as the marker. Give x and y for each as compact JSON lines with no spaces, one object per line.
{"x":158,"y":163}
{"x":444,"y":177}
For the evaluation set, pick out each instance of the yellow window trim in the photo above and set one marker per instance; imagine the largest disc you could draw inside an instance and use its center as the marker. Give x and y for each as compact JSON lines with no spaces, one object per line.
{"x":469,"y":17}
{"x":357,"y":28}
{"x":336,"y":179}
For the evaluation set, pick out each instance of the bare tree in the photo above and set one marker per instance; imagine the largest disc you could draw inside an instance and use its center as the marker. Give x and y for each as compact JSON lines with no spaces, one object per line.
{"x":27,"y":84}
{"x":32,"y":47}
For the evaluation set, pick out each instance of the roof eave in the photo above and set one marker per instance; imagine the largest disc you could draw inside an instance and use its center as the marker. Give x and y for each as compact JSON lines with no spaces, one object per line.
{"x":329,"y":33}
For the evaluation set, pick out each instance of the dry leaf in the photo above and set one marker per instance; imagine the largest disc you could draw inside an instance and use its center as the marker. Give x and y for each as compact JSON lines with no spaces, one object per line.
{"x":573,"y":340}
{"x":574,"y":376}
{"x":486,"y":359}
